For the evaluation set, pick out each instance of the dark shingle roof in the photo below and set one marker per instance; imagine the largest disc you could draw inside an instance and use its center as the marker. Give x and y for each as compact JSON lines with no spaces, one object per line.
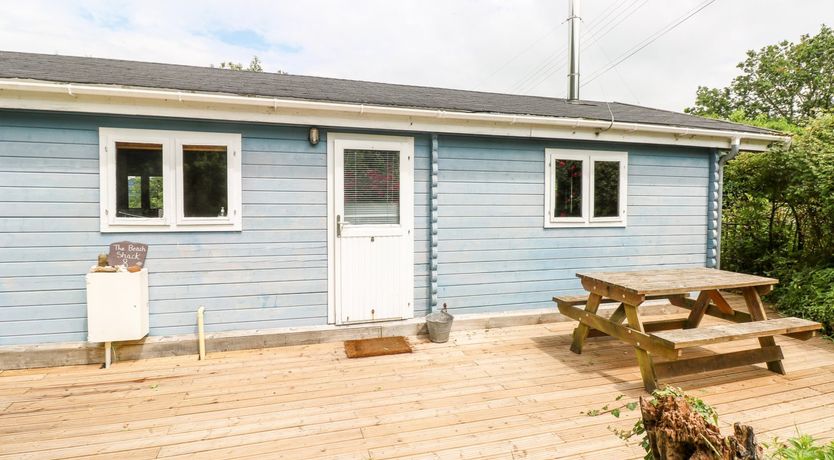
{"x":70,"y":69}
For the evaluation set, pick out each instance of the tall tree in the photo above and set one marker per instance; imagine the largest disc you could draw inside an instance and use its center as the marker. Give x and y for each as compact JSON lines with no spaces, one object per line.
{"x":787,"y":81}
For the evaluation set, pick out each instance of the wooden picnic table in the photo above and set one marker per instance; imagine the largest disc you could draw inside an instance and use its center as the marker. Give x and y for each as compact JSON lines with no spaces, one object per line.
{"x":667,"y":338}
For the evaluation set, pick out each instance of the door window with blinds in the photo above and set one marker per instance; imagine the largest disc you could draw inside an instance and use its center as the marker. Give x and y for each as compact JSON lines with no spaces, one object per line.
{"x":154,"y":180}
{"x":371,"y":187}
{"x":585,"y":188}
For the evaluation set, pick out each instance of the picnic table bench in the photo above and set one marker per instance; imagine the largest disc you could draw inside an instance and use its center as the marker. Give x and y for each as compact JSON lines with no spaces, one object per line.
{"x":667,"y":338}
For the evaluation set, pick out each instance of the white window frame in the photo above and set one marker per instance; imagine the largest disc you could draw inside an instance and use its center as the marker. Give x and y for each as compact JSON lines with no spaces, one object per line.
{"x":589,"y":159}
{"x":173,"y":219}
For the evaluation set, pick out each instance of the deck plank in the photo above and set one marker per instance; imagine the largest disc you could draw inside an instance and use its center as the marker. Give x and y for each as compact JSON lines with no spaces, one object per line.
{"x":493,"y":394}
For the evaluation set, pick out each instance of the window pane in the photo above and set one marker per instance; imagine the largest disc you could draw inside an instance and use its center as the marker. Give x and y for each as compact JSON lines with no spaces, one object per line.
{"x":134,"y":192}
{"x":204,"y":181}
{"x":606,"y":188}
{"x":372,"y":187}
{"x":138,"y":180}
{"x":568,"y":188}
{"x":156,"y":192}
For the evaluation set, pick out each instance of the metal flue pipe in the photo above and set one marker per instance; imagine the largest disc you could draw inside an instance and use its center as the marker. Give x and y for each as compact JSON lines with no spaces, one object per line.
{"x":573,"y":43}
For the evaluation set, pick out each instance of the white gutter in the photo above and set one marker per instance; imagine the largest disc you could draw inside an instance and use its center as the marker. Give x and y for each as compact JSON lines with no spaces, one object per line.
{"x":76,"y":90}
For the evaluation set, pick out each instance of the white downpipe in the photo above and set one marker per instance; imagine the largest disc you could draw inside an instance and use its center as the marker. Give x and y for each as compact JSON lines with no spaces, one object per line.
{"x":362,"y":109}
{"x":201,"y":333}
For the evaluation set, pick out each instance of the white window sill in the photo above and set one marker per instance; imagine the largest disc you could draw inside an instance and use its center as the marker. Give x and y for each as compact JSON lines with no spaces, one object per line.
{"x":171,"y":228}
{"x":549,"y":224}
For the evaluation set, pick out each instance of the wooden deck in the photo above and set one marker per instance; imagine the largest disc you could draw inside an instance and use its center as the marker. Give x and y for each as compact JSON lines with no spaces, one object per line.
{"x":503,"y":393}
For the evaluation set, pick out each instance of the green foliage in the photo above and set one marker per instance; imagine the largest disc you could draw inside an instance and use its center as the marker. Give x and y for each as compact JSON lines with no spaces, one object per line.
{"x":809,"y":294}
{"x":786,"y":81}
{"x":613,"y":411}
{"x":255,"y":65}
{"x":779,"y":218}
{"x":802,"y":448}
{"x":762,"y":121}
{"x":156,"y":190}
{"x":698,"y":405}
{"x":712,"y":103}
{"x":134,"y":192}
{"x":636,"y":430}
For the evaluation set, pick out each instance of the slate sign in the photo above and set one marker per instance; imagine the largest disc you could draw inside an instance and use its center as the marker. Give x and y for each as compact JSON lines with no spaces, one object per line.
{"x":127,"y":253}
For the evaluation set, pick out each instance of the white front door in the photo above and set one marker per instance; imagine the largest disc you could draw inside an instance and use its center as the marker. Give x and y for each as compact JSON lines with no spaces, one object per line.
{"x":372,"y":218}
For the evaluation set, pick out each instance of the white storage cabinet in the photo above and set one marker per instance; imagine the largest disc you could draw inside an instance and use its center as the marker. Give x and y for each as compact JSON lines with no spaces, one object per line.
{"x":117,"y":307}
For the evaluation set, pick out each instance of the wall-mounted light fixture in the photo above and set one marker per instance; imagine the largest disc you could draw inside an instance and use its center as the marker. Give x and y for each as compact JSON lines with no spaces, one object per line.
{"x":314,"y":136}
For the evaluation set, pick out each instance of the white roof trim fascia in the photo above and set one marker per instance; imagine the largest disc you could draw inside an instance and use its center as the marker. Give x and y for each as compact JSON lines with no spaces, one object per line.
{"x":42,"y":95}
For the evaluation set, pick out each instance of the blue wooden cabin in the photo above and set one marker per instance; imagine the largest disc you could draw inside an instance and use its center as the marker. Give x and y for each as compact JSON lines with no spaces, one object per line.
{"x":280,"y":201}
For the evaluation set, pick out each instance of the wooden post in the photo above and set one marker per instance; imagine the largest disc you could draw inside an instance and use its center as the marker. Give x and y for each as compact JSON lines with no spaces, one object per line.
{"x":581,"y":331}
{"x":201,"y":333}
{"x":698,"y":310}
{"x":643,"y":357}
{"x":618,"y":315}
{"x":720,"y":302}
{"x":757,"y":313}
{"x":107,"y":354}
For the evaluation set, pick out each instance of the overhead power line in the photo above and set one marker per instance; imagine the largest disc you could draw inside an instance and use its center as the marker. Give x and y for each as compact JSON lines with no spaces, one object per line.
{"x":547,"y":64}
{"x":648,"y":41}
{"x":517,"y":55}
{"x":587,"y":41}
{"x":600,"y":29}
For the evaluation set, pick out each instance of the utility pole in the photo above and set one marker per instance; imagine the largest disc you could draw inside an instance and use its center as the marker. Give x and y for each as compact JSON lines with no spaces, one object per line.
{"x":573,"y":43}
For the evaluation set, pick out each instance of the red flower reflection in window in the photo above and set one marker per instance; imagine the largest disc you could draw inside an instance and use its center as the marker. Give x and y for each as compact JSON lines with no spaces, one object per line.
{"x":568,"y":182}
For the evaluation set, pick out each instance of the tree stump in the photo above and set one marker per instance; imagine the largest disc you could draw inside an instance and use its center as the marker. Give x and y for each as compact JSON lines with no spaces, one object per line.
{"x":676,"y":432}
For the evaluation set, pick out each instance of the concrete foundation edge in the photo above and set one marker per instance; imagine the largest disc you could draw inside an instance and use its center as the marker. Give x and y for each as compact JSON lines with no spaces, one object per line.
{"x":79,"y":353}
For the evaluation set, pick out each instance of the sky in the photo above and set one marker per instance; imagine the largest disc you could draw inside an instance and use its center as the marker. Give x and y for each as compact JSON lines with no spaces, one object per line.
{"x":509,"y":46}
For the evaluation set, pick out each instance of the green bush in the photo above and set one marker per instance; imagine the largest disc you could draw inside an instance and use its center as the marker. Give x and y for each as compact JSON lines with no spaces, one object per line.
{"x":779,"y":220}
{"x":809,"y":294}
{"x":779,"y":204}
{"x":802,"y":448}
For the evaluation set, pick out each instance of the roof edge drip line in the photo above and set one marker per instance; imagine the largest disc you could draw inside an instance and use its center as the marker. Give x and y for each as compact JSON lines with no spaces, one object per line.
{"x":362,"y":109}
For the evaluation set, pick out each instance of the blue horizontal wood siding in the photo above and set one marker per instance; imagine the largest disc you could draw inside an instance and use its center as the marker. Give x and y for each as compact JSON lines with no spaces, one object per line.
{"x":272,"y":274}
{"x":494,"y":252}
